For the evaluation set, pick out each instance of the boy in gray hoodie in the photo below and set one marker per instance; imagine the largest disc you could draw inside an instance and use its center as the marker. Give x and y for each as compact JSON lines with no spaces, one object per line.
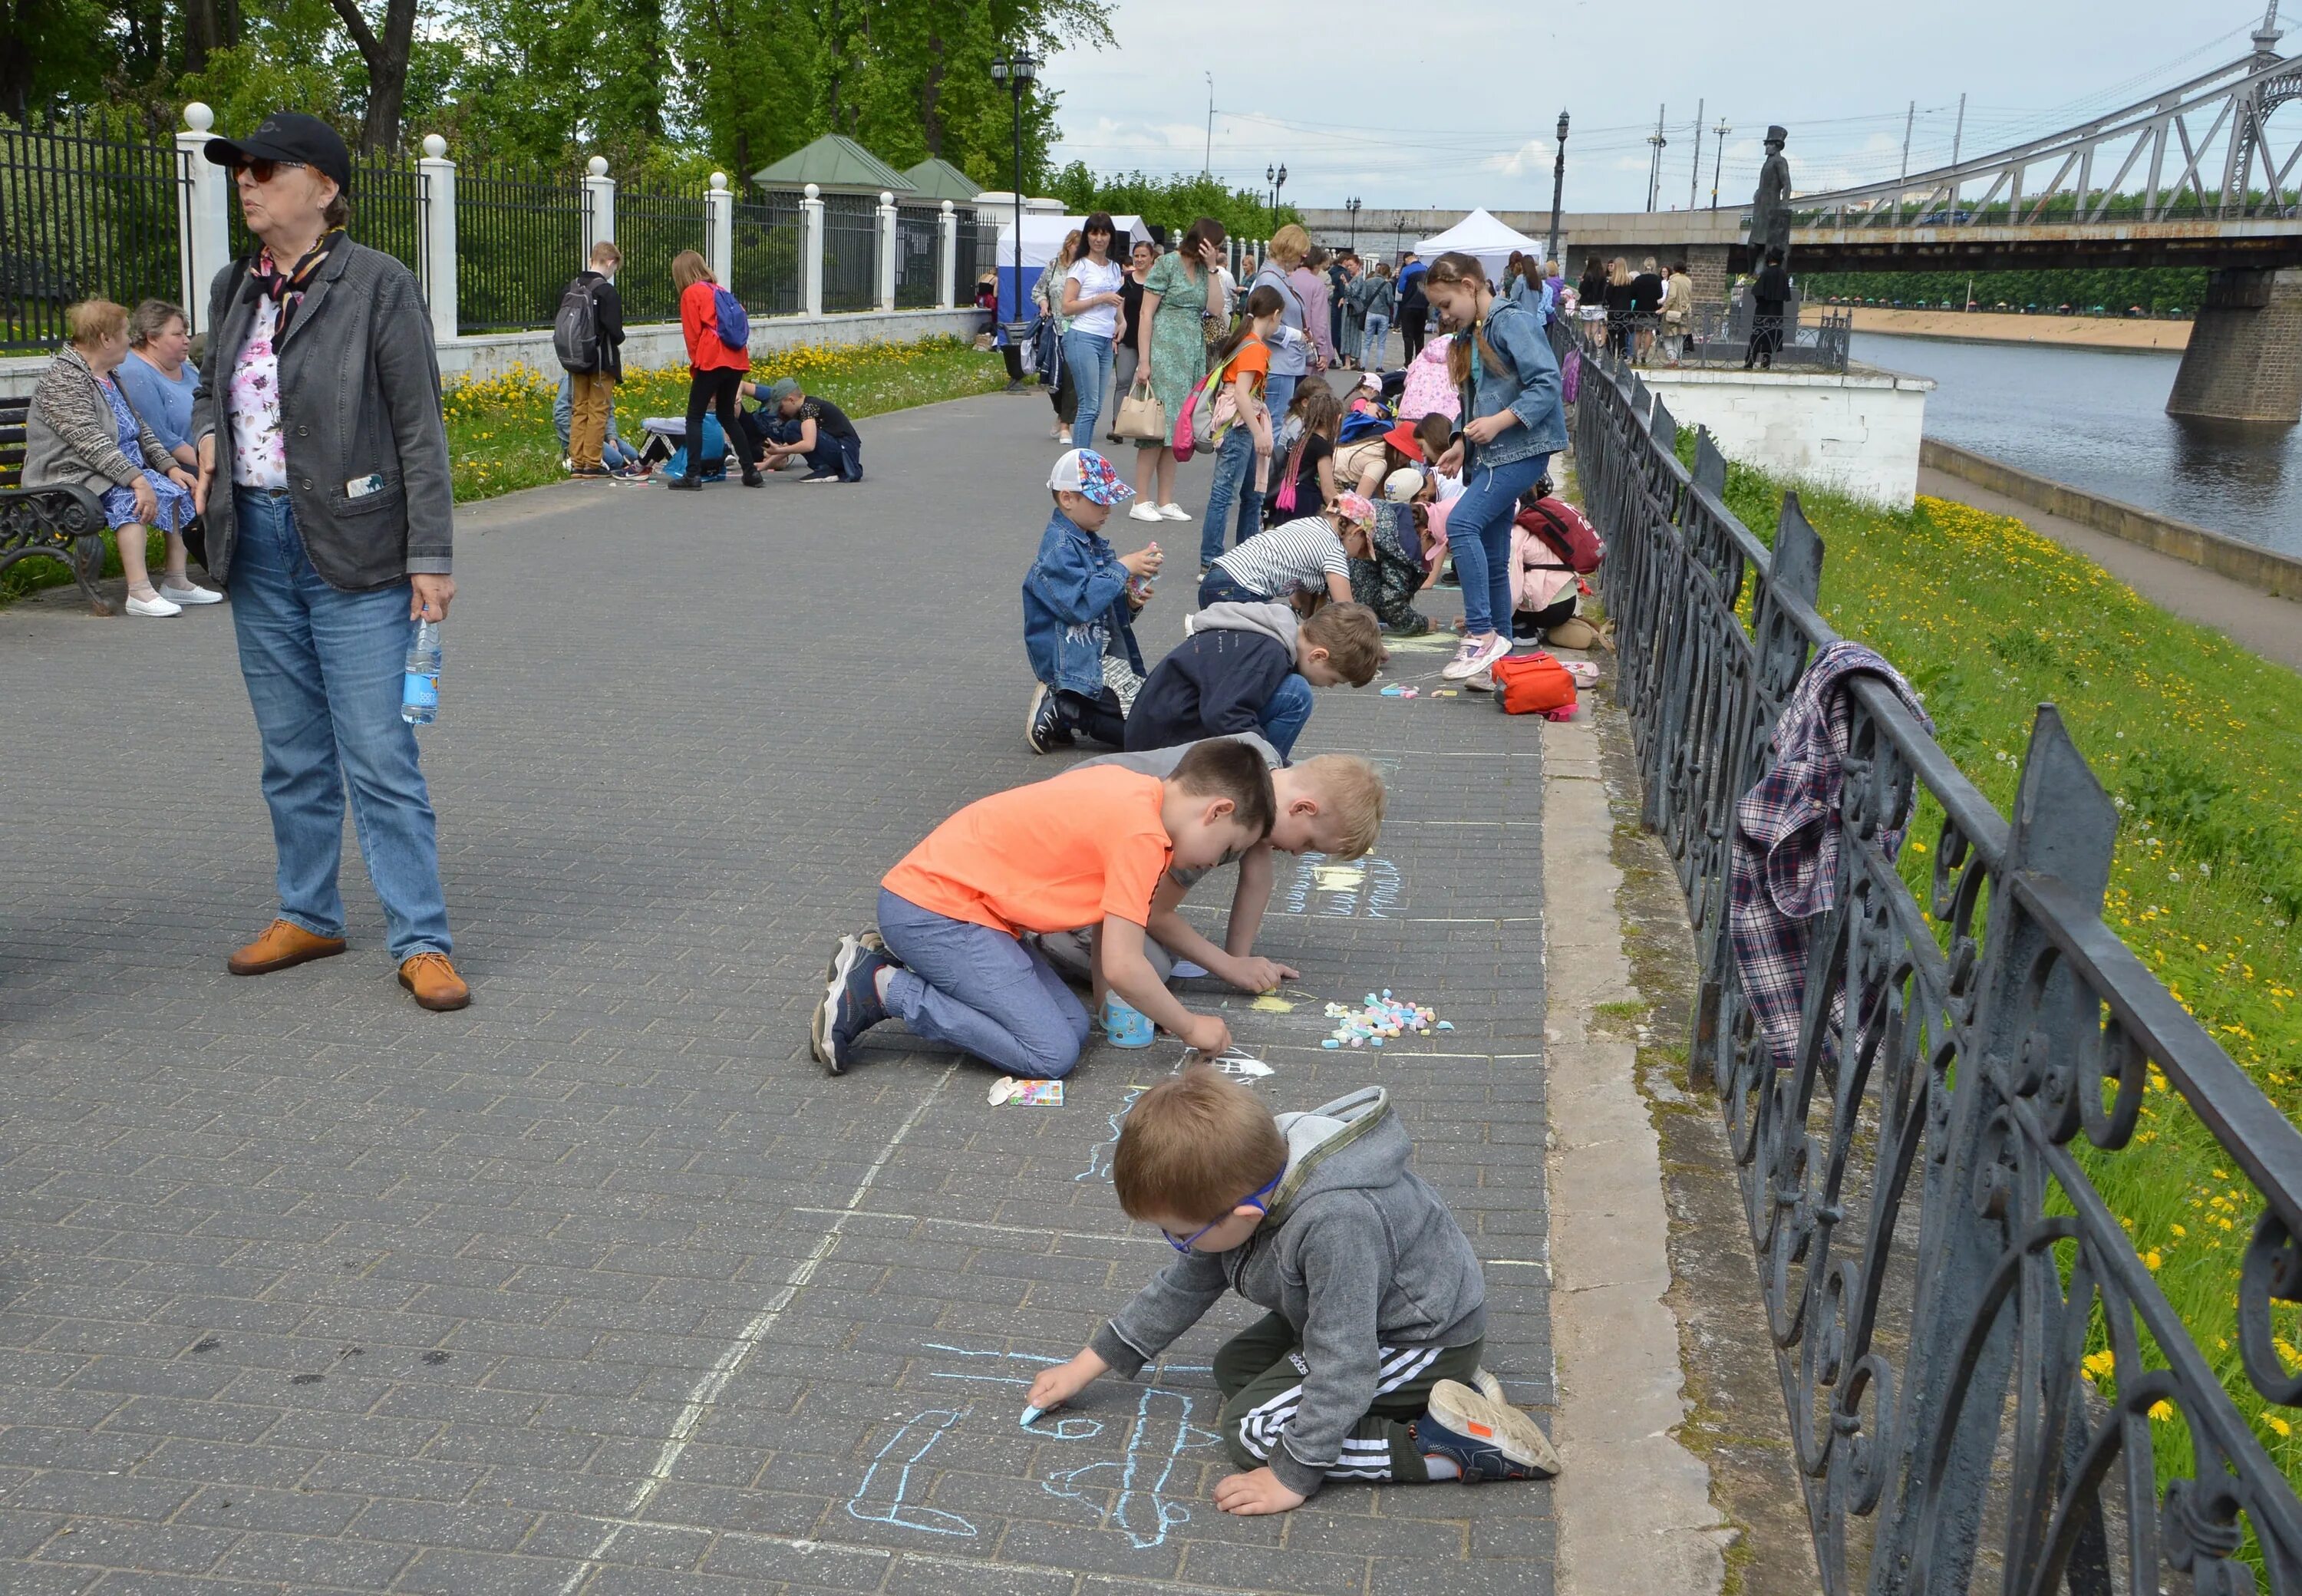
{"x":1367,"y":1365}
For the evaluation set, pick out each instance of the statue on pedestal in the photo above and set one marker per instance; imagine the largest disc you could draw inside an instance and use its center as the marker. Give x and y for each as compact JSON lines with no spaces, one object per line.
{"x":1770,"y":206}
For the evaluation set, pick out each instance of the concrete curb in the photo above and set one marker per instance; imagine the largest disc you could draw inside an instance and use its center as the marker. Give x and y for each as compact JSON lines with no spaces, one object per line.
{"x":2258,"y":568}
{"x":1633,"y":1504}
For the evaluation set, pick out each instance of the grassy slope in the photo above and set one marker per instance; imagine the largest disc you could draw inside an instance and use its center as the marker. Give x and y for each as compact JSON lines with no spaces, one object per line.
{"x":500,"y":437}
{"x":2200,"y":743}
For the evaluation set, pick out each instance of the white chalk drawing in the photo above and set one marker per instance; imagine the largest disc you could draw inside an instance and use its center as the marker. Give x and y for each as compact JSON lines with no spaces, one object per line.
{"x":1098,"y":1158}
{"x":880,"y":1498}
{"x":1369,"y":888}
{"x":1161,"y":1433}
{"x":1241,"y":1065}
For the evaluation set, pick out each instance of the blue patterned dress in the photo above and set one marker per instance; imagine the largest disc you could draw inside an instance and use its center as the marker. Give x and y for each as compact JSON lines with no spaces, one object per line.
{"x":175,"y":509}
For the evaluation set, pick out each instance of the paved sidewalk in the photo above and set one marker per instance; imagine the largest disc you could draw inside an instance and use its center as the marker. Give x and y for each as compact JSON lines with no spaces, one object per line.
{"x":602,"y":1286}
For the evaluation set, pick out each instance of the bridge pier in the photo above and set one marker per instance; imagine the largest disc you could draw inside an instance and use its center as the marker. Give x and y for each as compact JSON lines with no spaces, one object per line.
{"x":2244,"y":362}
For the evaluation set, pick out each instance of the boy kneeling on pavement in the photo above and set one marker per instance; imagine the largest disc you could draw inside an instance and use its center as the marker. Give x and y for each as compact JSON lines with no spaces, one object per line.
{"x":1367,"y":1367}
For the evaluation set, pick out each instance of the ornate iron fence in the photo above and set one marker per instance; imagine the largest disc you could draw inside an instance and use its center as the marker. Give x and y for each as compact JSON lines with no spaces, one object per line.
{"x":978,"y":241}
{"x":1931,"y":1249}
{"x":919,"y":248}
{"x":766,"y":246}
{"x":653,"y":223}
{"x":84,"y":212}
{"x":519,"y":238}
{"x":851,"y":258}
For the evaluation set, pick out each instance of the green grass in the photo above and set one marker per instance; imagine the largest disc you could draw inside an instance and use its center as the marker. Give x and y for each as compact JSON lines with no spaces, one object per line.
{"x":501,"y":436}
{"x":2199,"y":743}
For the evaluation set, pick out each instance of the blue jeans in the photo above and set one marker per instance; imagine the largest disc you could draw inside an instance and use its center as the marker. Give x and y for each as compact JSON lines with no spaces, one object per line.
{"x":1088,"y":357}
{"x":1219,"y":586}
{"x":981,"y":991}
{"x":1278,"y":393}
{"x":1286,"y":714}
{"x":1371,"y":346}
{"x":1234,"y":479}
{"x":324,"y":672}
{"x":1478,"y":535}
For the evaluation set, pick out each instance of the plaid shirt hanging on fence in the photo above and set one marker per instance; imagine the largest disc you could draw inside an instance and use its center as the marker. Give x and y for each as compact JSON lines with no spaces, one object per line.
{"x":1784,"y":871}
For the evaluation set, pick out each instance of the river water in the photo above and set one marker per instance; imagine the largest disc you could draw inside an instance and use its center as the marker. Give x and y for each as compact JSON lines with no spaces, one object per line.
{"x":2097,"y":419}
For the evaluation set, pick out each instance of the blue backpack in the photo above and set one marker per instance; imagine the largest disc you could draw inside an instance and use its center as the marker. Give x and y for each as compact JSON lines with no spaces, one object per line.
{"x":714,"y":454}
{"x":733,"y":327}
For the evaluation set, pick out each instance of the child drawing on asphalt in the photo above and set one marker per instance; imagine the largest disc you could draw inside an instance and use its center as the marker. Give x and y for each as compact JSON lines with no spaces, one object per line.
{"x":1367,"y":1367}
{"x":1079,"y":600}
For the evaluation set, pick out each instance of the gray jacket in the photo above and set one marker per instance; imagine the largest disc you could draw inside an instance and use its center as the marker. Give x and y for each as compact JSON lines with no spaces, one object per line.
{"x":1272,"y":618}
{"x":359,"y":400}
{"x":71,"y":437}
{"x":1356,"y":1252}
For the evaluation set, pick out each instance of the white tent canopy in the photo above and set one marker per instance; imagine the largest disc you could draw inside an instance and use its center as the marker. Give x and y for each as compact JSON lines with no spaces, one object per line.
{"x":1044,"y":234}
{"x":1480,"y":235}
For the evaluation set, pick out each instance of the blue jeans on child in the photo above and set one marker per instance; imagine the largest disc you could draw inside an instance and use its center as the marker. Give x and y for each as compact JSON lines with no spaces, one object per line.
{"x":1088,"y":356}
{"x":1234,"y":481}
{"x":1285,"y":714}
{"x":1478,"y":535}
{"x":323,"y":671}
{"x":1219,"y":586}
{"x":981,"y":991}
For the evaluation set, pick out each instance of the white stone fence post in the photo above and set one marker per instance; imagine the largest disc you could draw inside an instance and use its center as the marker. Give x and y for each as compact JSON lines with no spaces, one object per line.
{"x":948,"y":258}
{"x":436,"y":191}
{"x":889,"y":246}
{"x":204,"y":237}
{"x":720,"y":229}
{"x":810,"y":251}
{"x":599,"y":207}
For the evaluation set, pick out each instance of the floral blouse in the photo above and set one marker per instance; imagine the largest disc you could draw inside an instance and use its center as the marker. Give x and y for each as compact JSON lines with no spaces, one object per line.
{"x":259,"y":453}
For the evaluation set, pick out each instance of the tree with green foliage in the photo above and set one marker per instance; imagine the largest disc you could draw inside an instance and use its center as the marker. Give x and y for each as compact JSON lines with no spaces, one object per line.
{"x":1173,"y":203}
{"x":2157,"y":288}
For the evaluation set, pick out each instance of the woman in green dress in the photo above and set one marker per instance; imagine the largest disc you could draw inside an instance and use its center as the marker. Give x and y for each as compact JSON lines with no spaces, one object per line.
{"x":1171,"y":337}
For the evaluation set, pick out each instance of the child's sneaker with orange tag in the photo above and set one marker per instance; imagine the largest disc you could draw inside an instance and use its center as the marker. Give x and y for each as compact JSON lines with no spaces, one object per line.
{"x":1485,"y":1439}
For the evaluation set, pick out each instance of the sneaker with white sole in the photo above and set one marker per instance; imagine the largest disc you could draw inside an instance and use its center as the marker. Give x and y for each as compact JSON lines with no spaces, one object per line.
{"x":1173,"y":512}
{"x":1043,"y":721}
{"x":1485,"y":1439}
{"x":851,"y":1002}
{"x":1471,"y":656}
{"x":1143,"y":509}
{"x":153,"y":606}
{"x":189,"y":593}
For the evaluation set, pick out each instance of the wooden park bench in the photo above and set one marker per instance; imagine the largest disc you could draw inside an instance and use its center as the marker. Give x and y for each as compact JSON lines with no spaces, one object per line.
{"x":61,"y":523}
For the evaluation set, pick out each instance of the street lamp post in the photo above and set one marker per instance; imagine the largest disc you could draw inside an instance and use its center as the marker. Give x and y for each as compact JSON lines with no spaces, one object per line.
{"x":1276,"y":176}
{"x":1557,"y":186}
{"x":1718,"y":154}
{"x":1352,"y":206}
{"x":1016,"y":72}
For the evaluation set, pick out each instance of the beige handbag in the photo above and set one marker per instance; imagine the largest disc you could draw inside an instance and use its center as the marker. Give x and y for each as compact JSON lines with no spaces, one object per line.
{"x":1141,"y":415}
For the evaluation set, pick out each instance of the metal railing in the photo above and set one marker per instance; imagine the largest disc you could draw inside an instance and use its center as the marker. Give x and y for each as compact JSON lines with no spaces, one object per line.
{"x":83,"y":213}
{"x":850,"y":254}
{"x":766,"y":249}
{"x":919,"y":251}
{"x":978,"y":243}
{"x":653,"y":223}
{"x":1941,"y":1277}
{"x":519,"y":238}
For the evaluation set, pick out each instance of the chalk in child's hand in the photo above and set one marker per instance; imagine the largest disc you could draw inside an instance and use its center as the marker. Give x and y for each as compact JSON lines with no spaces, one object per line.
{"x":1028,"y":1415}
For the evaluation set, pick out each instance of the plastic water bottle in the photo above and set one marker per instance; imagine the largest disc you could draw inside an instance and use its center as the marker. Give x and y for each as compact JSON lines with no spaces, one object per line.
{"x":419,"y":688}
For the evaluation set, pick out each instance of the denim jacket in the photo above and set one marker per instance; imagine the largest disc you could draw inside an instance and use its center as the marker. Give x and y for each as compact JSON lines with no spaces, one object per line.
{"x":1527,"y":386}
{"x":1075,"y":609}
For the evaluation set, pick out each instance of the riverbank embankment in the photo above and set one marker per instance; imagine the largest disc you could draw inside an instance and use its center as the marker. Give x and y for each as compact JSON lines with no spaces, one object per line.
{"x":1983,"y":326}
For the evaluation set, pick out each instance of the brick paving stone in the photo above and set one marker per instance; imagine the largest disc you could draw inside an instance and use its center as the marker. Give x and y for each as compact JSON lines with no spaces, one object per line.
{"x":300,"y":1285}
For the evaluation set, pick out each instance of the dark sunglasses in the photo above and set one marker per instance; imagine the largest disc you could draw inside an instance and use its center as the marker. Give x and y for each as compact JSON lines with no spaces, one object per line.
{"x":264,"y":169}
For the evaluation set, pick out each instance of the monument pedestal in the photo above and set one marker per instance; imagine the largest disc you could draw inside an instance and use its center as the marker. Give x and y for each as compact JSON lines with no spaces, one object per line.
{"x":1854,"y":432}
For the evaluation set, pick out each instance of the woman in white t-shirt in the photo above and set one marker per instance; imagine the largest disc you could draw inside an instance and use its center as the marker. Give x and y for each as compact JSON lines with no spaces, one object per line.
{"x":1092,"y":300}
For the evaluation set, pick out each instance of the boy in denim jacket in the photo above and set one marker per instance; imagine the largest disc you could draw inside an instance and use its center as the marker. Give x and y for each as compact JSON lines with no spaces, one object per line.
{"x":1079,"y":599}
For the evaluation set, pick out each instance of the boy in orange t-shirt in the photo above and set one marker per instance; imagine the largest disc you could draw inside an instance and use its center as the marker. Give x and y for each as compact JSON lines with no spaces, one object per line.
{"x":1087,"y":848}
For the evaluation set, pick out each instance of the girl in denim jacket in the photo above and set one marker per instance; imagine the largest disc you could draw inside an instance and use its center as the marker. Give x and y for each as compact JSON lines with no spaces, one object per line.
{"x":1514,"y":423}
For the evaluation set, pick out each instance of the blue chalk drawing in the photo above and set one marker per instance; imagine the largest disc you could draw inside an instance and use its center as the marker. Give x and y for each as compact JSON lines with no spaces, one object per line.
{"x":1098,"y":1160}
{"x":880,"y":1498}
{"x":1162,"y":1432}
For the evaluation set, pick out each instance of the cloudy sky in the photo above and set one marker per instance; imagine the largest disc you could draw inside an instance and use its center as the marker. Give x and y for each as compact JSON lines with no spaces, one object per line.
{"x":1453,"y":105}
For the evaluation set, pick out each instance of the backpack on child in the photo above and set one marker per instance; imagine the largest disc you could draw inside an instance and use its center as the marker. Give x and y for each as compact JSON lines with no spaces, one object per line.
{"x":1208,"y":412}
{"x":732,"y":326}
{"x":1570,"y":536}
{"x":575,"y":330}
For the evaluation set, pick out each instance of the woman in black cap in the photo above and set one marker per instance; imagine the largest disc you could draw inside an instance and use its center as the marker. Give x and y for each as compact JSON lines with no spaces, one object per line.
{"x":323,"y":475}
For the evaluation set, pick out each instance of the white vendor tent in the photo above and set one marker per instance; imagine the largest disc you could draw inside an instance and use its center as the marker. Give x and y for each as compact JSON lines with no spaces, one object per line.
{"x":1481,"y":234}
{"x":1042,"y":235}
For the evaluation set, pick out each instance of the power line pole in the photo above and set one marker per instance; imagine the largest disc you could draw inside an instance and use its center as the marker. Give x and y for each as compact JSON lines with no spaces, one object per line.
{"x":1207,"y":162}
{"x":1694,"y":167}
{"x":1654,"y":160}
{"x":1558,"y":188}
{"x":1718,"y":158}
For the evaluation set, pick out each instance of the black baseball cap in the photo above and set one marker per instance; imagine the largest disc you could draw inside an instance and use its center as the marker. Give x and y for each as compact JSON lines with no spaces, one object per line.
{"x":289,"y":136}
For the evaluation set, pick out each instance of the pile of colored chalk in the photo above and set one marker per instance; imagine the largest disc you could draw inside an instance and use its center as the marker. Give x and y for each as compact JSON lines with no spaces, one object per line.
{"x":1378,"y":1018}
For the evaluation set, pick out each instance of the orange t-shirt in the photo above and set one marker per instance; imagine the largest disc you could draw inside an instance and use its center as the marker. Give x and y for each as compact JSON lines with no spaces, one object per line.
{"x":1053,"y":856}
{"x":1253,"y":360}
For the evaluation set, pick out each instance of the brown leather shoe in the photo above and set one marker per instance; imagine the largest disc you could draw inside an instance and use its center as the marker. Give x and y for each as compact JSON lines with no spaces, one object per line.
{"x":434,"y":982}
{"x":283,"y":943}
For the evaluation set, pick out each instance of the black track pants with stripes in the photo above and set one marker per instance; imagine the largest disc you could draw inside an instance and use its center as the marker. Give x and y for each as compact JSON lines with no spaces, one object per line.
{"x":1261,"y":1372}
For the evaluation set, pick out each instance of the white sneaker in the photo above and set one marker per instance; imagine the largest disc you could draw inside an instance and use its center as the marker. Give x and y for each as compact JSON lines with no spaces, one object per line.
{"x":1173,"y":512}
{"x":1141,"y":511}
{"x":157,"y":607}
{"x":189,"y":593}
{"x":1472,"y":657}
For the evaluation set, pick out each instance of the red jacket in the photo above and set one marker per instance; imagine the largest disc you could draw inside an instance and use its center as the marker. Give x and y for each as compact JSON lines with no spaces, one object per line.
{"x":700,"y":322}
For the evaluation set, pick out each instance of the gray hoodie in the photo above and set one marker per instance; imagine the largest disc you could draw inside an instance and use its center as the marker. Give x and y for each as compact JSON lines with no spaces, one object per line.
{"x":1355,"y":1251}
{"x":1269,"y":619}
